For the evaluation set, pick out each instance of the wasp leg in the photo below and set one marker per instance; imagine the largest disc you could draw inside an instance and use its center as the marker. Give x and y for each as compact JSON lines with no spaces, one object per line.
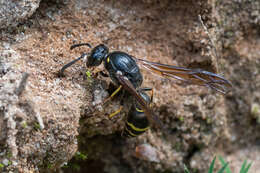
{"x":116,"y":112}
{"x":112,"y":95}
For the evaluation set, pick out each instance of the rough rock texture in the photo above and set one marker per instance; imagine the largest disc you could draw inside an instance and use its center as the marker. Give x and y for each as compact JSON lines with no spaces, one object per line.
{"x":39,"y":127}
{"x":202,"y":123}
{"x":36,"y":129}
{"x":12,"y":12}
{"x":238,"y":37}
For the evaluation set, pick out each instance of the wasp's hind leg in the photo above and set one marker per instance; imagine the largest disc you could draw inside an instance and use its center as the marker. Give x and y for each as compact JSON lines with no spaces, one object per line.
{"x":112,"y":95}
{"x":116,"y":112}
{"x":121,"y":100}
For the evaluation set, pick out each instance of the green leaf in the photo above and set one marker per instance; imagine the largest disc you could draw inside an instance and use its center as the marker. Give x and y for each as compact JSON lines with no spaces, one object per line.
{"x":186,"y":169}
{"x":80,"y":156}
{"x":223,"y":163}
{"x":88,"y":74}
{"x":212,"y":165}
{"x":245,"y":167}
{"x":37,"y":126}
{"x":223,"y":168}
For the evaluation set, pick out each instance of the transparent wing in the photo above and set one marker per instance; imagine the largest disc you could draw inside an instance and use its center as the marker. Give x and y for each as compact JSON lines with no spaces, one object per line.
{"x":191,"y":76}
{"x":130,"y":88}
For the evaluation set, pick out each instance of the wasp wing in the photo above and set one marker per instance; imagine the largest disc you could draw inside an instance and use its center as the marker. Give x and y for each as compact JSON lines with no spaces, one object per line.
{"x":191,"y":76}
{"x":130,"y":88}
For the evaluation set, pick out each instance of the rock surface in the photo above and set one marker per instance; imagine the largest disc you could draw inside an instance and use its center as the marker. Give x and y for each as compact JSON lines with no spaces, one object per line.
{"x":14,"y":12}
{"x":39,"y":127}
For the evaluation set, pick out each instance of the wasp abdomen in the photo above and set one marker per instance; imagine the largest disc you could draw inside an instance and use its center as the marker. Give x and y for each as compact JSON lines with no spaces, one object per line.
{"x":137,"y":122}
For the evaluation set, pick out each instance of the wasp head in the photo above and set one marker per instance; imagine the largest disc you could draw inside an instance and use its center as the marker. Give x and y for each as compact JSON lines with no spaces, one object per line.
{"x":97,"y":55}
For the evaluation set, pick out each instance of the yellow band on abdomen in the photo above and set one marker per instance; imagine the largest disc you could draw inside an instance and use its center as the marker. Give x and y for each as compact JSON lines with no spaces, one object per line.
{"x":136,"y":128}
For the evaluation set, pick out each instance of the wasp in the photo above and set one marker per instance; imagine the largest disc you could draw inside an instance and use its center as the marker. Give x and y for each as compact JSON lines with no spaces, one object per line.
{"x":125,"y":73}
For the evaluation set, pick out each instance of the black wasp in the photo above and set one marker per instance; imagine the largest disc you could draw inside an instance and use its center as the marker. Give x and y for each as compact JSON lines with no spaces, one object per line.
{"x":124,"y":72}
